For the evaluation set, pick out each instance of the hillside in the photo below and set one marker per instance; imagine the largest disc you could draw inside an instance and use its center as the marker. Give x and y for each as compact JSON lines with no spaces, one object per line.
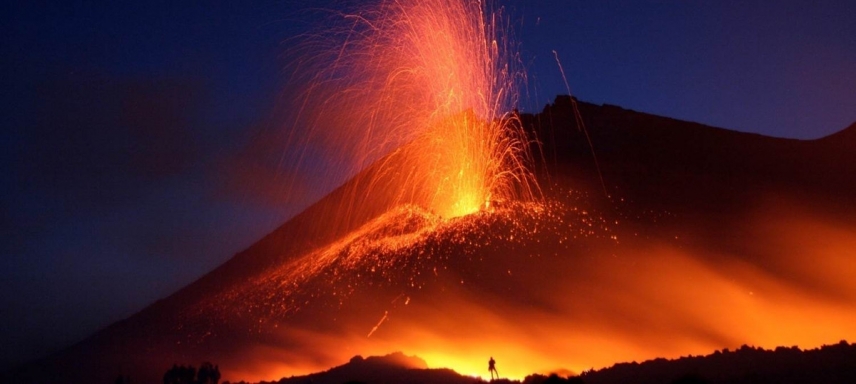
{"x":827,"y":364}
{"x":660,"y":160}
{"x":703,"y":239}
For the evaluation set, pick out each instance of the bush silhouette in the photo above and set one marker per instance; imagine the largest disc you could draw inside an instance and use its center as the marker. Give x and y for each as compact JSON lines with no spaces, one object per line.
{"x":179,"y":374}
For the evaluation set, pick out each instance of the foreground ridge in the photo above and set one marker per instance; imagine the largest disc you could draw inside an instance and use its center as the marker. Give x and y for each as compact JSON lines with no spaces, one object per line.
{"x":826,"y":364}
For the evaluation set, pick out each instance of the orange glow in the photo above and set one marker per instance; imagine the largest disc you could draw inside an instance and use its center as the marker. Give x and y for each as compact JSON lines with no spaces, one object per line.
{"x":430,"y":82}
{"x":515,"y":284}
{"x":444,"y":248}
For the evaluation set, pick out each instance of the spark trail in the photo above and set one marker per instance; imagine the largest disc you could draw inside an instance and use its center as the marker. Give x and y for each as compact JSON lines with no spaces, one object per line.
{"x":409,"y":100}
{"x":421,"y":91}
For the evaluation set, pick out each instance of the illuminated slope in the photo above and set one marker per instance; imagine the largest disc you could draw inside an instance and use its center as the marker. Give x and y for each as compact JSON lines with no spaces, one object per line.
{"x":711,"y":239}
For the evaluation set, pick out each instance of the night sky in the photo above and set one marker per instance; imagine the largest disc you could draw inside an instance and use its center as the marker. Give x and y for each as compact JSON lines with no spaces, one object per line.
{"x":129,"y":163}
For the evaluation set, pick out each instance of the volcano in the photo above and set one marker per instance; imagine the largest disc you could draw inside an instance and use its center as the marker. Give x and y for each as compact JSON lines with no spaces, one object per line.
{"x":660,"y":239}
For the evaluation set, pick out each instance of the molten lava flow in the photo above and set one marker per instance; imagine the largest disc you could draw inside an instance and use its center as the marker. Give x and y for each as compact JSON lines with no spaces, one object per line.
{"x":430,"y":81}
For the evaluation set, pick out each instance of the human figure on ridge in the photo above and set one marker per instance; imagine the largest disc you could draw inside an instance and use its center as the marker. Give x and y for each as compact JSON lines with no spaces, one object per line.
{"x":491,"y":366}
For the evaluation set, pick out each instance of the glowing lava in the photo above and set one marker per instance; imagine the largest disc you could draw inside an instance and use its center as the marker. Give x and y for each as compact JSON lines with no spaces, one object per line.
{"x":415,"y":254}
{"x":430,"y":81}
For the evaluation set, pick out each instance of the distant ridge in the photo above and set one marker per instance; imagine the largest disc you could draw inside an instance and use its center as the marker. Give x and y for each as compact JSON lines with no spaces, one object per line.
{"x":828,"y":364}
{"x":846,"y":136}
{"x":393,"y":368}
{"x":668,"y":162}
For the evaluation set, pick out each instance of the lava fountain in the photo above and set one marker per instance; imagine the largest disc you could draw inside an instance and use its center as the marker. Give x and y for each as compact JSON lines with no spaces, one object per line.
{"x":421,"y":91}
{"x":407,"y":100}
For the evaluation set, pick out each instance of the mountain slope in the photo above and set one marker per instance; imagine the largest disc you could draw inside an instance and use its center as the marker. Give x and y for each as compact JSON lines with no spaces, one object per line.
{"x":702,"y":239}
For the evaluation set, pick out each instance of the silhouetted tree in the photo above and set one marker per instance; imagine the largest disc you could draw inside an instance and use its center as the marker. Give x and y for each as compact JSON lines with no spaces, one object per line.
{"x":215,"y":376}
{"x":179,"y":374}
{"x":206,"y":370}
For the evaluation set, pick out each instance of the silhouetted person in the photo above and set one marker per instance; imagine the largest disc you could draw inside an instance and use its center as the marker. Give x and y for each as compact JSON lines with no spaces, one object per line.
{"x":491,"y":366}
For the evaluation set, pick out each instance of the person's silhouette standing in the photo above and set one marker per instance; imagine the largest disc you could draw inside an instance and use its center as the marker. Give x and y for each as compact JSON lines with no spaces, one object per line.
{"x":491,"y":366}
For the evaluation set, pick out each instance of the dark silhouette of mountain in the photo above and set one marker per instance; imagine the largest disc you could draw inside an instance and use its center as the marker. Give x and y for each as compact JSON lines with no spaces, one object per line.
{"x":589,"y":264}
{"x":710,"y":177}
{"x":663,"y":161}
{"x":392,"y":368}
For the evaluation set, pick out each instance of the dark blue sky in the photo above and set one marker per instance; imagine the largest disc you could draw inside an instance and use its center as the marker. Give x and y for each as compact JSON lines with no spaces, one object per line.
{"x":130,"y":160}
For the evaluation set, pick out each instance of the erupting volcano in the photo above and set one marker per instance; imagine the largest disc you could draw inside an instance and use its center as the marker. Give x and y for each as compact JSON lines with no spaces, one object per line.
{"x":460,"y":229}
{"x":422,"y":91}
